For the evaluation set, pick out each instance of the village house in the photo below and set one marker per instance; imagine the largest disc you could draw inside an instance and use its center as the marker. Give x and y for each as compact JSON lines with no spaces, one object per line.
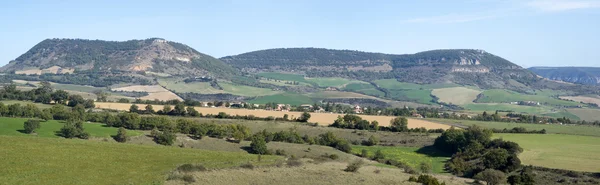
{"x":283,"y":107}
{"x":416,"y":115}
{"x":357,"y":109}
{"x":306,"y":106}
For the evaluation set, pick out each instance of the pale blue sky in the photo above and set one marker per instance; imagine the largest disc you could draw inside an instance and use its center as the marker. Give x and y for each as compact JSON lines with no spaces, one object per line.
{"x":527,"y":32}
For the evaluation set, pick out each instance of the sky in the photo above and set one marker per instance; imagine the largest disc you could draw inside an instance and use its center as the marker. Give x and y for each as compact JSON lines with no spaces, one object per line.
{"x":526,"y":32}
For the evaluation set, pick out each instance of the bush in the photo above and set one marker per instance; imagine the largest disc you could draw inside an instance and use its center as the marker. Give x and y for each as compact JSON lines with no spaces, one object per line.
{"x":426,"y":180}
{"x":31,"y":125}
{"x":378,"y":155}
{"x":258,"y":145}
{"x":280,"y":152}
{"x":354,"y":166}
{"x":191,"y":168}
{"x":491,"y":176}
{"x":121,"y":135}
{"x":188,"y":178}
{"x":247,"y":166}
{"x":165,"y":138}
{"x":373,"y":140}
{"x":73,"y":129}
{"x":425,"y":167}
{"x":294,"y":162}
{"x":364,"y":153}
{"x":334,"y":157}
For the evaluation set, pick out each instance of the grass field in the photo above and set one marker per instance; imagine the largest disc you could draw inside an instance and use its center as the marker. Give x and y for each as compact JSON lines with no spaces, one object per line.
{"x":586,"y":114}
{"x":555,"y":129}
{"x":505,"y":96}
{"x":320,"y":118}
{"x":580,"y":153}
{"x":313,"y":173}
{"x":332,"y":82}
{"x":364,"y":88}
{"x":413,"y":156}
{"x":492,"y":107}
{"x":456,"y":95}
{"x":13,"y":127}
{"x":193,"y":87}
{"x":585,"y":99}
{"x":282,"y":76}
{"x":243,"y":90}
{"x":419,"y":96}
{"x":284,"y":98}
{"x":35,"y":160}
{"x":394,"y":84}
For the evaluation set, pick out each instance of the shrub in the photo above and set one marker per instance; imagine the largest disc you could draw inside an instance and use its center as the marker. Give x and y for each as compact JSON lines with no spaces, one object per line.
{"x":334,"y":157}
{"x":247,"y":166}
{"x":373,"y":140}
{"x":294,"y":162}
{"x":425,"y":167}
{"x":188,"y":178}
{"x":165,"y":138}
{"x":364,"y":153}
{"x":73,"y":129}
{"x":491,"y":176}
{"x":378,"y":155}
{"x":354,"y":166}
{"x":121,"y":135}
{"x":427,"y":180}
{"x":191,"y":168}
{"x":31,"y":125}
{"x":258,"y":145}
{"x":280,"y":152}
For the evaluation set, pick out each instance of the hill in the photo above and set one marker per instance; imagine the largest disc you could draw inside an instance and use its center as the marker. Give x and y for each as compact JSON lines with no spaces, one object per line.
{"x":101,"y":63}
{"x":578,"y":75}
{"x":460,"y":66}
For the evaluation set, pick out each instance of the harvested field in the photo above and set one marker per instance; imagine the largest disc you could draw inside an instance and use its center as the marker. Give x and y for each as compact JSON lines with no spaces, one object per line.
{"x":456,"y":95}
{"x":584,"y":99}
{"x":321,"y":118}
{"x":154,"y":92}
{"x":586,"y":114}
{"x":311,"y":173}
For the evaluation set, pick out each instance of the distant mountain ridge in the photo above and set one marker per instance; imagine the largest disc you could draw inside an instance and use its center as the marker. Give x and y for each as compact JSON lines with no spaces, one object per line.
{"x":461,"y":66}
{"x":578,"y":75}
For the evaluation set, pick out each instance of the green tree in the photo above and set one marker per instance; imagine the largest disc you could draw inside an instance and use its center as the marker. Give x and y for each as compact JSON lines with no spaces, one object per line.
{"x":134,"y":108}
{"x":76,"y":100}
{"x":121,"y":135}
{"x":166,"y":137}
{"x":258,"y":145}
{"x":179,"y":110}
{"x":304,"y":117}
{"x":31,"y":125}
{"x":101,"y":96}
{"x":191,"y":111}
{"x":150,"y":109}
{"x":130,"y":120}
{"x":399,"y":124}
{"x":166,"y":109}
{"x":491,"y":176}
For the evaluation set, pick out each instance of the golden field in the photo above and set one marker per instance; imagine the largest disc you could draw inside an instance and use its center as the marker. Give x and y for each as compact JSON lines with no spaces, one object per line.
{"x":320,"y":118}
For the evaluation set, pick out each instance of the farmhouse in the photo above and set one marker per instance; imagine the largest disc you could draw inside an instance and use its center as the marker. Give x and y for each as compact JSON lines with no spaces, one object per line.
{"x":357,"y":109}
{"x":306,"y":106}
{"x":283,"y":107}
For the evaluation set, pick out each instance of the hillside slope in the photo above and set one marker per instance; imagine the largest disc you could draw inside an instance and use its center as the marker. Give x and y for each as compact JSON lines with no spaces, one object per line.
{"x":578,"y":75}
{"x":77,"y":56}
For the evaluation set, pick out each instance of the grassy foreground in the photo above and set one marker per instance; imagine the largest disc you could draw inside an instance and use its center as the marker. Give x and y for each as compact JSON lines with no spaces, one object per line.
{"x":412,"y":156}
{"x":34,"y":160}
{"x":579,"y":153}
{"x":553,"y":129}
{"x":14,"y":127}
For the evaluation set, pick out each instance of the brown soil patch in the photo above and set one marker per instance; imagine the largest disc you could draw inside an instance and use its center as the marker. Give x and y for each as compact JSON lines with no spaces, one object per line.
{"x":321,"y":118}
{"x":155,"y":92}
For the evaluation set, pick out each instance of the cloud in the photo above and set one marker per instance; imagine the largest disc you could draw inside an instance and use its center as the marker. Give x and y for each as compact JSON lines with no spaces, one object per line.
{"x":562,"y":5}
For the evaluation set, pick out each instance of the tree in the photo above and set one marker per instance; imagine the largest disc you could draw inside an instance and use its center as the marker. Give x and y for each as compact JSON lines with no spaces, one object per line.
{"x":73,"y":129}
{"x":78,"y":112}
{"x":166,"y":137}
{"x":179,"y":110}
{"x":373,"y":140}
{"x":399,"y":124}
{"x":149,"y":109}
{"x":491,"y":176}
{"x":101,"y":96}
{"x":258,"y":145}
{"x":285,"y":117}
{"x":304,"y":117}
{"x":121,"y":135}
{"x":76,"y":100}
{"x":31,"y":125}
{"x":166,"y":109}
{"x":191,"y":111}
{"x":134,"y":108}
{"x":130,"y":120}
